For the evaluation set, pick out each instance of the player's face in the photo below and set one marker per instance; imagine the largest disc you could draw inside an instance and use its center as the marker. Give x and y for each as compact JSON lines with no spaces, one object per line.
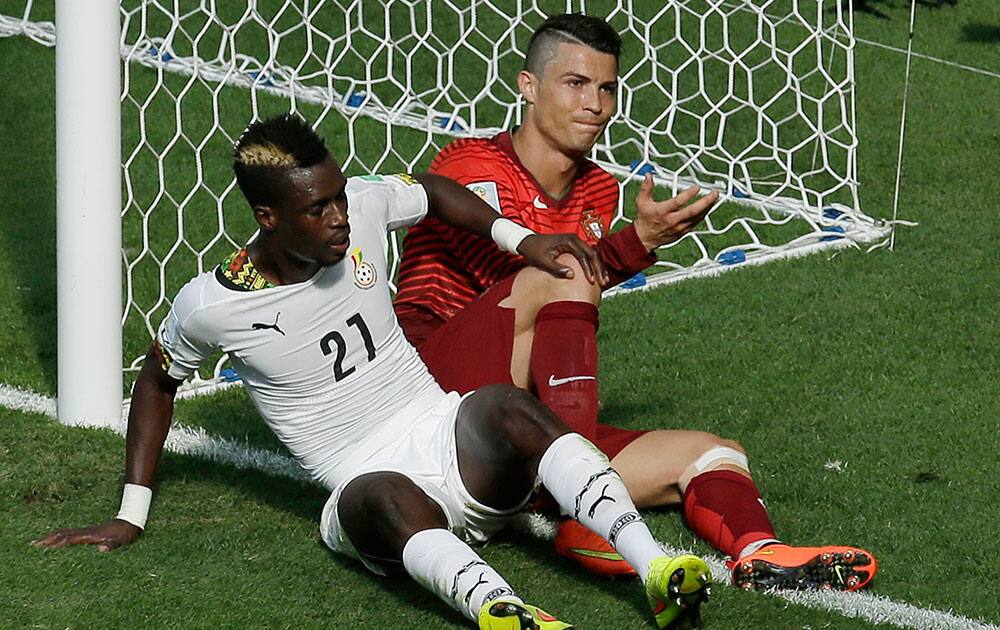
{"x":312,"y":222}
{"x":575,"y":97}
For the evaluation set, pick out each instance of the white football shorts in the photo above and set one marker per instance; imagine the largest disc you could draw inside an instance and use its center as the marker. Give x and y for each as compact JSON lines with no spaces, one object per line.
{"x":421,"y":445}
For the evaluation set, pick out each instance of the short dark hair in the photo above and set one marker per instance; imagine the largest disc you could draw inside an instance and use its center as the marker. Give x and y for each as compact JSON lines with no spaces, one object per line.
{"x":571,"y":28}
{"x":268,"y":149}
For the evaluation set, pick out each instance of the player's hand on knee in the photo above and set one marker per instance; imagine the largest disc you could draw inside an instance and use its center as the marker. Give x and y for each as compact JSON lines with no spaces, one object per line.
{"x":541,"y":250}
{"x":661,"y":222}
{"x":107,"y":536}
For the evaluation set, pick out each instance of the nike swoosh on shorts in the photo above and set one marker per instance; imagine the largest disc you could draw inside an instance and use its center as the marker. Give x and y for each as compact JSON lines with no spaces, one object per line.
{"x":555,"y":382}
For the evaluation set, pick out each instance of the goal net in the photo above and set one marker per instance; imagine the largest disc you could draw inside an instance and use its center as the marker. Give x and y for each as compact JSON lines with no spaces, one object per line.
{"x":754,"y":98}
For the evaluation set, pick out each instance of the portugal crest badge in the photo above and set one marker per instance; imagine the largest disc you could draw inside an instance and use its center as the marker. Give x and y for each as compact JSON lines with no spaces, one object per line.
{"x":591,"y":224}
{"x":365,"y":274}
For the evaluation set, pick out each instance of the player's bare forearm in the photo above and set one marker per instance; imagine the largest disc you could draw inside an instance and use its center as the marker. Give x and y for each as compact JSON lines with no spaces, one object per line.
{"x":456,"y":205}
{"x":148,"y":423}
{"x":459,"y":207}
{"x":148,"y":420}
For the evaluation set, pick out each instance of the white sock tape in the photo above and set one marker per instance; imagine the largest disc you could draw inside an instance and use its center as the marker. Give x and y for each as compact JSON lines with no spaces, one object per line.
{"x":135,"y":504}
{"x":718,"y":454}
{"x":711,"y":459}
{"x":508,"y":235}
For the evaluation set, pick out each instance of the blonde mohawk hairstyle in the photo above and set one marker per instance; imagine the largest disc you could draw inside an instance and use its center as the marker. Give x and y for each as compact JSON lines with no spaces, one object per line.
{"x":268,"y":149}
{"x":265,"y":155}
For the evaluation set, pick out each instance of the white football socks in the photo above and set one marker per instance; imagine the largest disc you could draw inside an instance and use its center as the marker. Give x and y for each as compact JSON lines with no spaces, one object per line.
{"x":580,"y":478}
{"x":440,"y":562}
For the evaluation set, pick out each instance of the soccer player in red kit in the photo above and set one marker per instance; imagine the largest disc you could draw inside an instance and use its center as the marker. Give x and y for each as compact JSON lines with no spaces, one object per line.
{"x":478,"y":315}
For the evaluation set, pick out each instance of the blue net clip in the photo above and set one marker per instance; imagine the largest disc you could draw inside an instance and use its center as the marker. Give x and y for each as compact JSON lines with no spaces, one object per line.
{"x":636,"y":281}
{"x":641,"y":168}
{"x":448,"y":123}
{"x":733,"y":257}
{"x":356,"y":99}
{"x":833,"y":237}
{"x":162,"y":56}
{"x":263,"y":78}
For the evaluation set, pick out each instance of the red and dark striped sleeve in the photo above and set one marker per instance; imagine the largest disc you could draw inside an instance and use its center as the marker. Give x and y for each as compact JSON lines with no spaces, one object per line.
{"x":622,"y":252}
{"x":443,"y":268}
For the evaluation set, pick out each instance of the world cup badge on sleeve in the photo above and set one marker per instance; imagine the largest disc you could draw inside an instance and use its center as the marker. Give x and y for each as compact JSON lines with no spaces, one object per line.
{"x":365,"y":274}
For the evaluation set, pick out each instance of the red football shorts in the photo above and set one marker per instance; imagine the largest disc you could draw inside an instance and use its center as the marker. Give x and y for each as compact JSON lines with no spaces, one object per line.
{"x":473,"y":349}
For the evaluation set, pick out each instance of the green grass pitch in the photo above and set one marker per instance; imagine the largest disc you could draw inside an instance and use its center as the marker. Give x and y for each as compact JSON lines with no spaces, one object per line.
{"x":884,"y":362}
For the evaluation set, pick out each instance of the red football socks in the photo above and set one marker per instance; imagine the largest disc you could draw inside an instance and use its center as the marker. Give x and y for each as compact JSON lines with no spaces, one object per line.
{"x":725,"y":509}
{"x":564,"y":363}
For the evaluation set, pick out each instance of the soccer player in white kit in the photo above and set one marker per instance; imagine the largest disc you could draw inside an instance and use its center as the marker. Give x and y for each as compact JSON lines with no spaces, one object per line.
{"x":415,"y":474}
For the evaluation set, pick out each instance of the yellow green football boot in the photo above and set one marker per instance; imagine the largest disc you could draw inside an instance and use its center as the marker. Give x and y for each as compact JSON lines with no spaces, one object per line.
{"x":676,"y":588}
{"x":504,"y":615}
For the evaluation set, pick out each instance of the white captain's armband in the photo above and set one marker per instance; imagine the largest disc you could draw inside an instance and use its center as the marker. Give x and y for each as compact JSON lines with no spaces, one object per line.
{"x":508,"y":235}
{"x":487,"y":191}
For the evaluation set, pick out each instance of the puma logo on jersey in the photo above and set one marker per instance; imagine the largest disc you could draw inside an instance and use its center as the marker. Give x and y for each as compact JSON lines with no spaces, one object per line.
{"x":274,"y":326}
{"x":556,"y":382}
{"x":538,"y":203}
{"x":603,"y":497}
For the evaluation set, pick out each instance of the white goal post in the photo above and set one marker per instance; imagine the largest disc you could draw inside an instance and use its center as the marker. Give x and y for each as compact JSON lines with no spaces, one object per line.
{"x":88,"y":213}
{"x":752,"y":97}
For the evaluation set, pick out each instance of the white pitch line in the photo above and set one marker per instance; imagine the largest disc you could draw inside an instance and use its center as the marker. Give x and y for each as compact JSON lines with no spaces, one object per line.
{"x":182,"y":439}
{"x":197,"y":442}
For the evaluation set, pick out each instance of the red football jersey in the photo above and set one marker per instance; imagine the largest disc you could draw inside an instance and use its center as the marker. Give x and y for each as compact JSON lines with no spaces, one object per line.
{"x":443,"y":269}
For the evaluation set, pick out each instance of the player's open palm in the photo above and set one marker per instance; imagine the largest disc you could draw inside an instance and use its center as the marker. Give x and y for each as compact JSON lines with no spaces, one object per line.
{"x":541,"y":251}
{"x":107,"y":536}
{"x":661,"y":222}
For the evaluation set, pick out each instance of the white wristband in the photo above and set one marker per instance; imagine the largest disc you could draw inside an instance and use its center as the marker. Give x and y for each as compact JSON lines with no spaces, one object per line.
{"x":508,"y":235}
{"x":135,"y":505}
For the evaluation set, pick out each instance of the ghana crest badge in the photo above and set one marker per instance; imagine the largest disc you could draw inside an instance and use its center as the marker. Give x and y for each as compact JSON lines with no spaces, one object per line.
{"x":592,"y":224}
{"x":364,"y":272}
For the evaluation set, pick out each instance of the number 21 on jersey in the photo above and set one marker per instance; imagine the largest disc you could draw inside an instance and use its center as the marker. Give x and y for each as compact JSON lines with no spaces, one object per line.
{"x":336,"y":338}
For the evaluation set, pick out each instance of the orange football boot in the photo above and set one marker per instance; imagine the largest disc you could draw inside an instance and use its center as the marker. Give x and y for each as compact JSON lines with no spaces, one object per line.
{"x":589,"y":550}
{"x":783,"y":566}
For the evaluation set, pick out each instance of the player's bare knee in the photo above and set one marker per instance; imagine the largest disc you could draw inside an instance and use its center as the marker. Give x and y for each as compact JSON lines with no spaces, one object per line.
{"x":577,"y":288}
{"x":393,"y":505}
{"x":525,"y":423}
{"x":533,"y":288}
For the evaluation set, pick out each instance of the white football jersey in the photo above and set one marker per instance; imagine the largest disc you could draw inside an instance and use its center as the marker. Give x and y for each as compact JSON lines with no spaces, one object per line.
{"x":324,"y":360}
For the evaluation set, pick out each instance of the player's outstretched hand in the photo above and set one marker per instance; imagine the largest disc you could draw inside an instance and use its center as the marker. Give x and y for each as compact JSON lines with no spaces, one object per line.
{"x":541,"y":251}
{"x":660,"y":222}
{"x":107,"y":536}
